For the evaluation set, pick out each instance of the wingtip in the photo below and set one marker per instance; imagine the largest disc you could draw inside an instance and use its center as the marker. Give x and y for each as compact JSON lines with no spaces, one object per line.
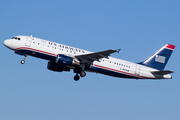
{"x":118,"y":50}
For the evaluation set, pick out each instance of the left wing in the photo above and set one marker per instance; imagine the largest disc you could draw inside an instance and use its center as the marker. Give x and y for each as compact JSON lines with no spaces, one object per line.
{"x":96,"y":56}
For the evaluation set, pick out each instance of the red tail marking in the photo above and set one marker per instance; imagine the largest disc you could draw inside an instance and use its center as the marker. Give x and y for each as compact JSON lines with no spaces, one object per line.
{"x":170,"y":46}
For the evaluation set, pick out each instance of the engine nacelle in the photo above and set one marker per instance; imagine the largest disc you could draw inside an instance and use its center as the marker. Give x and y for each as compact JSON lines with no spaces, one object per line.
{"x":55,"y":67}
{"x":67,"y":60}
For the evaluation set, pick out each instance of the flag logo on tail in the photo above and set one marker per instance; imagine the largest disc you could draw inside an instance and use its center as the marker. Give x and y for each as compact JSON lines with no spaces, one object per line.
{"x":160,"y":59}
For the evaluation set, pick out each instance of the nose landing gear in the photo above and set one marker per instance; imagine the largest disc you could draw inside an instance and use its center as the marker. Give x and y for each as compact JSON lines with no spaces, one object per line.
{"x":23,"y":54}
{"x":23,"y":61}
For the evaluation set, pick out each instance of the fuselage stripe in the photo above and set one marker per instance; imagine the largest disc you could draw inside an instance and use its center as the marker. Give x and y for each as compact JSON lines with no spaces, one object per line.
{"x":120,"y":71}
{"x":26,"y":48}
{"x":114,"y":70}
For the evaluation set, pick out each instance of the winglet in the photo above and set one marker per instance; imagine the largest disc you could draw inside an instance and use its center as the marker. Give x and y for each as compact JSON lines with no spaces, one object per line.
{"x":118,"y":50}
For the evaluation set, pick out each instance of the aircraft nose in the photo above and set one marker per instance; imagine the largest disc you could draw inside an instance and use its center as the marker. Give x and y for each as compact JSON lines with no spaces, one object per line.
{"x":6,"y":42}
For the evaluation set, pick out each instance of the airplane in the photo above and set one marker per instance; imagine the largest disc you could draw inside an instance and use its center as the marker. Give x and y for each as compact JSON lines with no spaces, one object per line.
{"x":64,"y":58}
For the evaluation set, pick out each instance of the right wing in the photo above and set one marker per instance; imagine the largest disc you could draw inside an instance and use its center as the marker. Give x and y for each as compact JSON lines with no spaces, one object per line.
{"x":96,"y":56}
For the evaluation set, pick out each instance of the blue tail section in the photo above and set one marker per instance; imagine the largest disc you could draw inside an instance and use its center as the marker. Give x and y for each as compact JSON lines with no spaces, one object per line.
{"x":159,"y":59}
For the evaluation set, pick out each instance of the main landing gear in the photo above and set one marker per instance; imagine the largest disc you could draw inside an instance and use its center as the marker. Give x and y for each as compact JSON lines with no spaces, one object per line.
{"x":23,"y":61}
{"x":76,"y":77}
{"x":79,"y":71}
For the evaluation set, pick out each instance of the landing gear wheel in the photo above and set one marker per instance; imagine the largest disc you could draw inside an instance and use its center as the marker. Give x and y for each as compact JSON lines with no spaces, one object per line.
{"x":82,"y":73}
{"x":22,"y":61}
{"x":76,"y":77}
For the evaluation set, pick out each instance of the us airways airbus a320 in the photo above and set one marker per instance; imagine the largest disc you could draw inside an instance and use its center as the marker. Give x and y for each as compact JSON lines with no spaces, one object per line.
{"x":64,"y":58}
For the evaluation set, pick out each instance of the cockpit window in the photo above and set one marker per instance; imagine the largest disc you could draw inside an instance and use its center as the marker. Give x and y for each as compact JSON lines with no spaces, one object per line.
{"x":16,"y":38}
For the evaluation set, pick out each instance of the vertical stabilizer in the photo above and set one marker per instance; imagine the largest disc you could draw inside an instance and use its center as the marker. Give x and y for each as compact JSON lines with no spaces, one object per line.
{"x":159,"y":59}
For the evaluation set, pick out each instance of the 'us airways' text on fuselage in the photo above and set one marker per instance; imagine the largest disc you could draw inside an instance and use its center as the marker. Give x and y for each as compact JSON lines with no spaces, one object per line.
{"x":64,"y":58}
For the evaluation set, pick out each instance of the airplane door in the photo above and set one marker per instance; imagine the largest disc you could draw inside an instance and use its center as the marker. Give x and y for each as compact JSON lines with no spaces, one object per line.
{"x":138,"y":68}
{"x":28,"y":41}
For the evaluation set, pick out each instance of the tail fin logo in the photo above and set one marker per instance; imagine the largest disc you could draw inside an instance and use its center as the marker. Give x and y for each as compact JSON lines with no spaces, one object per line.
{"x":160,"y":59}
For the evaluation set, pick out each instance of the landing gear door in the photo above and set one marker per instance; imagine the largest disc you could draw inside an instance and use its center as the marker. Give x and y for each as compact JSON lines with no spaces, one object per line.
{"x":138,"y":69}
{"x":28,"y":41}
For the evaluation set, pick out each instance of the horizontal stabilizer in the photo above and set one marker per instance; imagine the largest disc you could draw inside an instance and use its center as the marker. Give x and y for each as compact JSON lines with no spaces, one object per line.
{"x":161,"y":72}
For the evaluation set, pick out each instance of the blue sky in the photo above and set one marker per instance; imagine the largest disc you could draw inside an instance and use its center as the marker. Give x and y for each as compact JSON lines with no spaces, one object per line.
{"x":139,"y":28}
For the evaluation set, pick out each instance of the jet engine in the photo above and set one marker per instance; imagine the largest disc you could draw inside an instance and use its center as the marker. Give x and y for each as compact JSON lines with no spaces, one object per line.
{"x":55,"y":67}
{"x":67,"y":60}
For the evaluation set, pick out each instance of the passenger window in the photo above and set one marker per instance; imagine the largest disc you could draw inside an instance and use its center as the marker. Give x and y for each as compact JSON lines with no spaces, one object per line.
{"x":18,"y":38}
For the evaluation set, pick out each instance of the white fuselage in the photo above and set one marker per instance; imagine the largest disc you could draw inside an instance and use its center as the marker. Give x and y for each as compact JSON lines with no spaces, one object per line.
{"x":109,"y":66}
